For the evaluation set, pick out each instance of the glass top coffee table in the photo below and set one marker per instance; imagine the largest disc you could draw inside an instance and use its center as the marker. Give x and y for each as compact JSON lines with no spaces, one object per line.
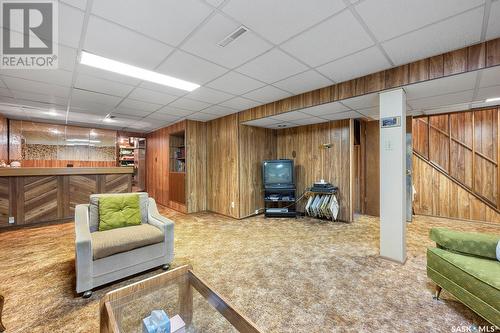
{"x":177,"y":292}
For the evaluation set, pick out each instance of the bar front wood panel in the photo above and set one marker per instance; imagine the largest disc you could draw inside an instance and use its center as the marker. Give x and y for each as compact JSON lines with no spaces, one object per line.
{"x":312,"y":163}
{"x":45,"y":198}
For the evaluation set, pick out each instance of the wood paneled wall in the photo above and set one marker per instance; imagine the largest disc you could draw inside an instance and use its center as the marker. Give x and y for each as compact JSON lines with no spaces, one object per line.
{"x":158,"y":167}
{"x":463,"y":145}
{"x":4,"y":146}
{"x":483,"y":55}
{"x":438,"y":195}
{"x":372,"y":168}
{"x":223,"y":195}
{"x":196,"y":157}
{"x":312,"y":163}
{"x":255,"y":145}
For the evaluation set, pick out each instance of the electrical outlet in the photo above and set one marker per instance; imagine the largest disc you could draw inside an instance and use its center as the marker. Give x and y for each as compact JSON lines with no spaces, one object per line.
{"x":232,"y":204}
{"x":256,"y":212}
{"x":12,"y":220}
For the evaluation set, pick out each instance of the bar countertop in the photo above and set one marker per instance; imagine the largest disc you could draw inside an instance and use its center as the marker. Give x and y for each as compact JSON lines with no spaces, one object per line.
{"x":20,"y":172}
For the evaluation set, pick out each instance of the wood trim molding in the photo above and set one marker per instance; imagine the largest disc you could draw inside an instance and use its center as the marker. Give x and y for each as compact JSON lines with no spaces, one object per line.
{"x":470,"y":58}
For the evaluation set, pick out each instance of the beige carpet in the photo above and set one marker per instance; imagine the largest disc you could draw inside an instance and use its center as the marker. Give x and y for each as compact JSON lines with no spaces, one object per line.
{"x":286,"y":275}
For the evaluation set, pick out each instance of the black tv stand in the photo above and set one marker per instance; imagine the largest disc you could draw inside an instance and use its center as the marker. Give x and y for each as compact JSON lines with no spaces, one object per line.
{"x":280,"y":201}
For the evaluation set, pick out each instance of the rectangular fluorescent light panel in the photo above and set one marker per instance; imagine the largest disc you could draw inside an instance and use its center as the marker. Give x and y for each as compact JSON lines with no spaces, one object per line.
{"x":106,"y":64}
{"x":492,"y":99}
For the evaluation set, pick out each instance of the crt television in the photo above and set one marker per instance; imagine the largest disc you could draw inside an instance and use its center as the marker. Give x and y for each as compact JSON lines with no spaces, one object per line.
{"x":278,"y":173}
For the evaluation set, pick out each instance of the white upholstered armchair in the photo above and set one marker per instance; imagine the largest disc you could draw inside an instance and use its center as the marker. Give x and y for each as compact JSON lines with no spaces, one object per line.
{"x":105,"y":256}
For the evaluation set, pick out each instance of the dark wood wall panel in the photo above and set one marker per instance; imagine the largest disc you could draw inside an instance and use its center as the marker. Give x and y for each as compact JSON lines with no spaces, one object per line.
{"x":255,"y":145}
{"x":4,"y":201}
{"x":196,"y":157}
{"x":312,"y":163}
{"x":464,"y":145}
{"x":223,"y":166}
{"x":372,"y":170}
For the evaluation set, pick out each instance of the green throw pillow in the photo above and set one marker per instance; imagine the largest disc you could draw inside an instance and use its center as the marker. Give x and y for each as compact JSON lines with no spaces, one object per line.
{"x":117,"y":211}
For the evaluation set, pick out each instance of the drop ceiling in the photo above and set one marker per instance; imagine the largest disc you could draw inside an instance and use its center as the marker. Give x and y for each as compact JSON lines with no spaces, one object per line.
{"x":454,"y":93}
{"x":289,"y":49}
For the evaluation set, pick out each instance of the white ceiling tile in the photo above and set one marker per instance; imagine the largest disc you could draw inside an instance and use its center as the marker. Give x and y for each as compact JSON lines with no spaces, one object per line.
{"x":240,"y":103}
{"x":219,"y":110}
{"x":490,"y":77}
{"x":302,"y":82}
{"x":452,"y":34}
{"x":282,"y":125}
{"x":262,"y":122}
{"x":184,"y":66}
{"x":267,"y":94}
{"x":202,"y":116}
{"x":174,"y":111}
{"x":169,"y":21}
{"x":92,"y":83}
{"x":52,"y":76}
{"x":442,"y":100}
{"x":276,"y":21}
{"x":162,"y":89}
{"x":5,"y":92}
{"x":76,"y":3}
{"x":90,"y":108}
{"x":408,"y":15}
{"x":370,"y":112}
{"x":85,"y":98}
{"x":66,"y":58}
{"x":151,"y":96}
{"x":338,"y":36}
{"x":161,"y":116}
{"x":493,"y":30}
{"x":121,"y":110}
{"x":208,"y":95}
{"x":139,"y":105}
{"x":235,"y":83}
{"x":204,"y":43}
{"x":356,"y":65}
{"x":189,"y":104}
{"x":291,"y":116}
{"x":214,"y":3}
{"x":362,"y":102}
{"x":309,"y":121}
{"x":272,"y":66}
{"x":342,"y":115}
{"x":43,"y":98}
{"x":110,"y":40}
{"x":441,"y":86}
{"x":70,"y":25}
{"x":488,"y":92}
{"x":34,"y":86}
{"x":448,"y":108}
{"x":323,"y":109}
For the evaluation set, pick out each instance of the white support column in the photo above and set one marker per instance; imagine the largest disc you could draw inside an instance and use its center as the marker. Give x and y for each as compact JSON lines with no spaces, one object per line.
{"x":393,"y":175}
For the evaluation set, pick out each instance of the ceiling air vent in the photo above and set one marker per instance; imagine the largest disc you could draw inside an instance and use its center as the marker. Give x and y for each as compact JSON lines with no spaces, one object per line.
{"x":235,"y":34}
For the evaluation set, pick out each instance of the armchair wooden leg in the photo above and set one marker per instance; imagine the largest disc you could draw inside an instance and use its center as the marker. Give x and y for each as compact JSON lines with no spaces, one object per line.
{"x":438,"y":292}
{"x":2,"y":328}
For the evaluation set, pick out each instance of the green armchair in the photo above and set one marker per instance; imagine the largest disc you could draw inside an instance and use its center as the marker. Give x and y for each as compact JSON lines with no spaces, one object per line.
{"x":465,"y":265}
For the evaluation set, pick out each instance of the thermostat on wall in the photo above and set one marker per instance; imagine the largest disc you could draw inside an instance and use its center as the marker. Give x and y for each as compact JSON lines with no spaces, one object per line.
{"x":390,"y":122}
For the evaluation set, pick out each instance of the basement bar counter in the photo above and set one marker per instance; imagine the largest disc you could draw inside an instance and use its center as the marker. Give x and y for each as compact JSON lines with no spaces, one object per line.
{"x":36,"y":195}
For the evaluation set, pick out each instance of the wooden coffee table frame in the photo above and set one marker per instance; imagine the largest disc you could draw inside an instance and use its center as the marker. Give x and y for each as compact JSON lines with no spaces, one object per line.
{"x":238,"y":320}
